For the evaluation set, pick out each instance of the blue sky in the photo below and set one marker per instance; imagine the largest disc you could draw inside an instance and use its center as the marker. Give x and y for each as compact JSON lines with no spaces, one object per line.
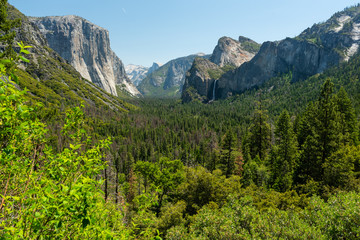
{"x":146,"y":31}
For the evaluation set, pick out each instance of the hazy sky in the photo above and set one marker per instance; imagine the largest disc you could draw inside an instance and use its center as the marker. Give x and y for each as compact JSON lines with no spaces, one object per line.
{"x":146,"y":31}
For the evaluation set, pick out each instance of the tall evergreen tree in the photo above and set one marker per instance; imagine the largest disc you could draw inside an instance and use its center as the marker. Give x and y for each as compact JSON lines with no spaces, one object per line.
{"x":227,"y":159}
{"x":318,"y":135}
{"x":348,"y":124}
{"x":328,"y":121}
{"x":283,"y":154}
{"x":259,"y":135}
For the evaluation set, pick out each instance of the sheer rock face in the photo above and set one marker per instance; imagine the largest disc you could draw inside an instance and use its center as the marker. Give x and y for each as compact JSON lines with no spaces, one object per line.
{"x":302,"y":58}
{"x":199,"y":83}
{"x":87,"y":48}
{"x":231,"y":52}
{"x":154,"y":67}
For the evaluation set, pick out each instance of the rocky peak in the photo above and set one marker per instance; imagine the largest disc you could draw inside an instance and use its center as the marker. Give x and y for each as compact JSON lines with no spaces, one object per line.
{"x":231,"y":52}
{"x":154,"y":67}
{"x":86,"y":47}
{"x":169,"y":78}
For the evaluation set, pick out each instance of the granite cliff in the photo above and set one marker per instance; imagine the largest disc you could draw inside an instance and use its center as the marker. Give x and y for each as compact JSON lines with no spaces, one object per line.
{"x":227,"y":55}
{"x":317,"y":48}
{"x":200,"y":80}
{"x":87,"y":48}
{"x":50,"y":79}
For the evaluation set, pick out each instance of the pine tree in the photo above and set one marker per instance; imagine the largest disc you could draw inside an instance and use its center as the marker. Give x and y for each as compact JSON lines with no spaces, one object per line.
{"x":348,"y":124}
{"x":283,"y":154}
{"x":227,"y":159}
{"x":328,"y":121}
{"x":259,"y":135}
{"x":319,"y":135}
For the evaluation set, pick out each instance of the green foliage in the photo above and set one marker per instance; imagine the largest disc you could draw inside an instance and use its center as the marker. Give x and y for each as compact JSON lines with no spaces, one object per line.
{"x":241,"y":219}
{"x":250,"y":46}
{"x":227,"y":158}
{"x":338,"y":218}
{"x":284,"y":154}
{"x":62,"y":180}
{"x":164,"y":176}
{"x":340,"y":166}
{"x":202,"y":187}
{"x":8,"y":57}
{"x":46,"y":194}
{"x":323,"y":128}
{"x":347,"y":122}
{"x":258,"y":139}
{"x":217,"y":73}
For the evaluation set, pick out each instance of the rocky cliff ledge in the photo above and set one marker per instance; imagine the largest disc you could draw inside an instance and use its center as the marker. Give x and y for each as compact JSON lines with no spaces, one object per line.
{"x":87,"y":48}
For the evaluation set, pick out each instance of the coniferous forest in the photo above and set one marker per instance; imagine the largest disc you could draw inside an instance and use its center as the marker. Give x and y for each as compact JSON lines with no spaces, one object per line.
{"x":280,"y":161}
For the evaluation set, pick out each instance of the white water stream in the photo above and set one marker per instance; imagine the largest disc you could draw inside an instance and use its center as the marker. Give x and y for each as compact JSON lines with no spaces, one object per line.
{"x":213,"y":98}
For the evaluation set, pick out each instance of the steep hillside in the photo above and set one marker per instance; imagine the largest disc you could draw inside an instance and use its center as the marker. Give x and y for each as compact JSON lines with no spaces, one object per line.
{"x":51,"y":80}
{"x":168,"y":80}
{"x":87,"y":48}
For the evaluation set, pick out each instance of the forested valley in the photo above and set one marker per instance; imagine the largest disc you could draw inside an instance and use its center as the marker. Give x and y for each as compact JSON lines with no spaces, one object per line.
{"x":280,"y":161}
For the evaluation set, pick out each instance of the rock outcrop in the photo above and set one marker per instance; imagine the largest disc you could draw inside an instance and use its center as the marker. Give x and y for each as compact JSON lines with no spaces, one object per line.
{"x":227,"y":55}
{"x":199,"y":81}
{"x":87,"y":48}
{"x":154,"y":67}
{"x":167,"y":81}
{"x":231,"y":52}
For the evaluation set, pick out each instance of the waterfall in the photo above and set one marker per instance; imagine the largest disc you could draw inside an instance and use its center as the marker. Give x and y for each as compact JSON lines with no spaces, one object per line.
{"x":213,"y":98}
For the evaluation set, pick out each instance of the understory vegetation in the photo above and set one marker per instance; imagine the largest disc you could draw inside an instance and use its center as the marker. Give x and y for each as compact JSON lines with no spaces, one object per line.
{"x":281,"y":161}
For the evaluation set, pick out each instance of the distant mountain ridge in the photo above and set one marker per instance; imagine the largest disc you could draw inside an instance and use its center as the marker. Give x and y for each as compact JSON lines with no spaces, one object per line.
{"x":137,"y":73}
{"x":87,"y":48}
{"x":167,"y":81}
